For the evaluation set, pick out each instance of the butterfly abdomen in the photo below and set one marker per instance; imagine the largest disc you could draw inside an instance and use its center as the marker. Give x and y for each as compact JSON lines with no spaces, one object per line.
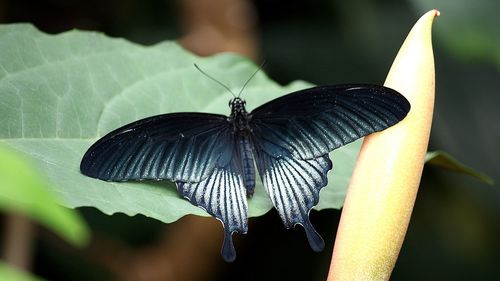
{"x":247,"y":163}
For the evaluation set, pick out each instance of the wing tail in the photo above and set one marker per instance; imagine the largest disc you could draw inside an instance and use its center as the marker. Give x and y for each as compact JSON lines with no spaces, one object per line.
{"x":223,"y":195}
{"x":293,"y":186}
{"x":315,"y":240}
{"x":228,"y":252}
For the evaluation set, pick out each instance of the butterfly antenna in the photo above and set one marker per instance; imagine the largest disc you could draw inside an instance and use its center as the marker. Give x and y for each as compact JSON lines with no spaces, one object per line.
{"x":255,"y":72}
{"x":215,"y":80}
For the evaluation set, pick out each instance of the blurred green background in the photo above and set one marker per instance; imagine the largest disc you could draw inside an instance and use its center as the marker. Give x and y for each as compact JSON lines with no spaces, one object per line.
{"x":455,"y":228}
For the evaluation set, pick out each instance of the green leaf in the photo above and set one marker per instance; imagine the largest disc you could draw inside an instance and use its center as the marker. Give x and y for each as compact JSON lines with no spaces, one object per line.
{"x":10,"y":273}
{"x":61,"y":93}
{"x":23,"y":190}
{"x":444,"y":160}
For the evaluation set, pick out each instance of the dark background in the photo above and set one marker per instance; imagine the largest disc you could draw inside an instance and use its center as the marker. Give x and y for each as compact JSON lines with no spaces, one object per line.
{"x":455,"y":228}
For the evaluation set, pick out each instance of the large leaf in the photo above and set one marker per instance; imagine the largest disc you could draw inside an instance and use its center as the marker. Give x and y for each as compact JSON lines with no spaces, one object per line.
{"x":61,"y":93}
{"x":23,"y":190}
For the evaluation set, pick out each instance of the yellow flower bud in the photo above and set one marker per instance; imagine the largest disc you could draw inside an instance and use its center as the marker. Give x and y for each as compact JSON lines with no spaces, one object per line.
{"x":385,"y":181}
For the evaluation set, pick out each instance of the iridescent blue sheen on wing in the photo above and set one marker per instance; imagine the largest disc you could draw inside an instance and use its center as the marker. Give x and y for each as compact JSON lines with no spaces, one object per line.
{"x":179,"y":147}
{"x":315,"y":121}
{"x":223,"y":194}
{"x":293,"y":186}
{"x":197,"y":151}
{"x":294,"y":134}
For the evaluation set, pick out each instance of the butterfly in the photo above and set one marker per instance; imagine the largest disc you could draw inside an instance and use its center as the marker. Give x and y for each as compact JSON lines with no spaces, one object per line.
{"x":213,"y":158}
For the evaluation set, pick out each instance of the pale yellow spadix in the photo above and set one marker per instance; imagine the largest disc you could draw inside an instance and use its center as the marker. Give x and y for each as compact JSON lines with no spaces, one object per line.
{"x":385,"y":181}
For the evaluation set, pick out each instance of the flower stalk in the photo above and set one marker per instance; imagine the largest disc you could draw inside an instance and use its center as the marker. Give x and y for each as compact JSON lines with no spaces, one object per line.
{"x":386,"y":178}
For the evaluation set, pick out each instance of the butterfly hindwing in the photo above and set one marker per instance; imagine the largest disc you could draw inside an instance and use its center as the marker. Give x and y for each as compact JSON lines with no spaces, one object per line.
{"x":222,"y":194}
{"x":293,"y":186}
{"x":178,"y":147}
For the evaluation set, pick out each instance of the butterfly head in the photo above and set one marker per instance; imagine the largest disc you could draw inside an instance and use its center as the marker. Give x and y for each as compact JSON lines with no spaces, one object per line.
{"x":237,"y":105}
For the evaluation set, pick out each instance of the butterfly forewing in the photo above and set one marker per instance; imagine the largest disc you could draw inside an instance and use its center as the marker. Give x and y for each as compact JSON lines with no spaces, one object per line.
{"x":180,"y":147}
{"x":315,"y":121}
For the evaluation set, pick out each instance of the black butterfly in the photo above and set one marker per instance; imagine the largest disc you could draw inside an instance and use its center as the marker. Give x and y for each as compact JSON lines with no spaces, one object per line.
{"x":211,"y":157}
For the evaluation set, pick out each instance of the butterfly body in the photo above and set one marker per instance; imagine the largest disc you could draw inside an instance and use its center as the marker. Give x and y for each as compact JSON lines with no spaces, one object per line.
{"x":213,"y":158}
{"x":239,"y":116}
{"x":246,"y":157}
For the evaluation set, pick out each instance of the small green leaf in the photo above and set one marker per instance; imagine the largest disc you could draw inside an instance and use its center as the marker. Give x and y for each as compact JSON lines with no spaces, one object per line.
{"x":23,"y":190}
{"x":10,"y":273}
{"x":444,"y":160}
{"x":60,"y":93}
